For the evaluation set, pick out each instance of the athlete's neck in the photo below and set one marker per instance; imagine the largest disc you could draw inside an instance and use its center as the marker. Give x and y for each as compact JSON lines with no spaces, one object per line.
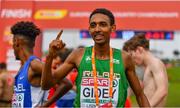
{"x":102,"y":51}
{"x":24,"y":55}
{"x":147,"y":58}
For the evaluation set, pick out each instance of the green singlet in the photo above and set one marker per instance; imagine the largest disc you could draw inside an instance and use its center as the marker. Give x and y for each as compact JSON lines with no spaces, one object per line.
{"x":85,"y":81}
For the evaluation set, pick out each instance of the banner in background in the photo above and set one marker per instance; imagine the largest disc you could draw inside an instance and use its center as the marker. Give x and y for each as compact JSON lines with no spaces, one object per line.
{"x":12,"y":12}
{"x":153,"y":35}
{"x":130,"y":15}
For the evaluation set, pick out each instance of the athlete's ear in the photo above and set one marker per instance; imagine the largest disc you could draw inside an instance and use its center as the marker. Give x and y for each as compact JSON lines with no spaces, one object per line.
{"x":17,"y":42}
{"x":140,"y":49}
{"x":113,"y":28}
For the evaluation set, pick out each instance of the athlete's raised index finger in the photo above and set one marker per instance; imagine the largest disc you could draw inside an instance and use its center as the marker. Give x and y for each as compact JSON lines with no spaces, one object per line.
{"x":59,"y":35}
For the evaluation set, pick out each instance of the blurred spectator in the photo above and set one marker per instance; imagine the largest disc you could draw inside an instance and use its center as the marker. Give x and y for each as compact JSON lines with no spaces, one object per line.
{"x":6,"y":86}
{"x":68,"y":99}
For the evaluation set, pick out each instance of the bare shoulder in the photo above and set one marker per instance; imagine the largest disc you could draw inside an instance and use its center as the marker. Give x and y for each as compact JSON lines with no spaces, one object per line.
{"x":78,"y":51}
{"x":36,"y":63}
{"x":157,"y":65}
{"x":76,"y":56}
{"x":36,"y":67}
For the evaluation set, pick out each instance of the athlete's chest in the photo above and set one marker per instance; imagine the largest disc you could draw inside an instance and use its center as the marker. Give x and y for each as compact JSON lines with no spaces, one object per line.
{"x":148,"y":77}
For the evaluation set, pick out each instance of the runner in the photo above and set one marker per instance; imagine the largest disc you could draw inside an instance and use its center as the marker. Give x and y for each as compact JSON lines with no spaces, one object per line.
{"x":102,"y":70}
{"x":27,"y":87}
{"x":155,"y":80}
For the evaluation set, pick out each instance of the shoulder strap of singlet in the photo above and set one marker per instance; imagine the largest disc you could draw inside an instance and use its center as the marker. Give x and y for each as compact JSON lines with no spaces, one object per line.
{"x":32,"y":58}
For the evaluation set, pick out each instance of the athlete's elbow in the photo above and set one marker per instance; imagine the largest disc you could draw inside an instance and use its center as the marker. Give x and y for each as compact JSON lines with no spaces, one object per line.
{"x":164,"y":92}
{"x":68,"y":84}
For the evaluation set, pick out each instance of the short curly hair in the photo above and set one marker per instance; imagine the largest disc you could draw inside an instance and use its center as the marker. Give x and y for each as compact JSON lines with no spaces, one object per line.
{"x":126,"y":46}
{"x":26,"y":29}
{"x":138,"y":39}
{"x":105,"y":12}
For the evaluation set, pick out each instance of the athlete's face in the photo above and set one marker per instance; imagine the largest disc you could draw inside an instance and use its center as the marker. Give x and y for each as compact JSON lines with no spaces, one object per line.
{"x":137,"y":56}
{"x":100,"y":28}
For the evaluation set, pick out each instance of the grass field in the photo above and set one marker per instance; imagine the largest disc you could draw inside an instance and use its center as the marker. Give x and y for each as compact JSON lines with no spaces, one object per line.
{"x":173,"y":99}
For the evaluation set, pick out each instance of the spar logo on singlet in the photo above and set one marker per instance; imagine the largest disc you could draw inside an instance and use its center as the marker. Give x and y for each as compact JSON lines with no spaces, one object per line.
{"x":88,"y":93}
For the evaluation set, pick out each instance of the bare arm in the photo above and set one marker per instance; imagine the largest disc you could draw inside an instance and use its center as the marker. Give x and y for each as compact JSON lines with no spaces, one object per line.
{"x":64,"y":86}
{"x":35,"y":72}
{"x":134,"y":82}
{"x":48,"y":78}
{"x":161,"y":81}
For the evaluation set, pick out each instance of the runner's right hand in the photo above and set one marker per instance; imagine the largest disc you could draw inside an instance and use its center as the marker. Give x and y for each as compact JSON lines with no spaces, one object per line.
{"x":56,"y":45}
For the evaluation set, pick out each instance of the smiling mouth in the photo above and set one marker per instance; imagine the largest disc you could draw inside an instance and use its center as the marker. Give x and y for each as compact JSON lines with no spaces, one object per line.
{"x":97,"y":37}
